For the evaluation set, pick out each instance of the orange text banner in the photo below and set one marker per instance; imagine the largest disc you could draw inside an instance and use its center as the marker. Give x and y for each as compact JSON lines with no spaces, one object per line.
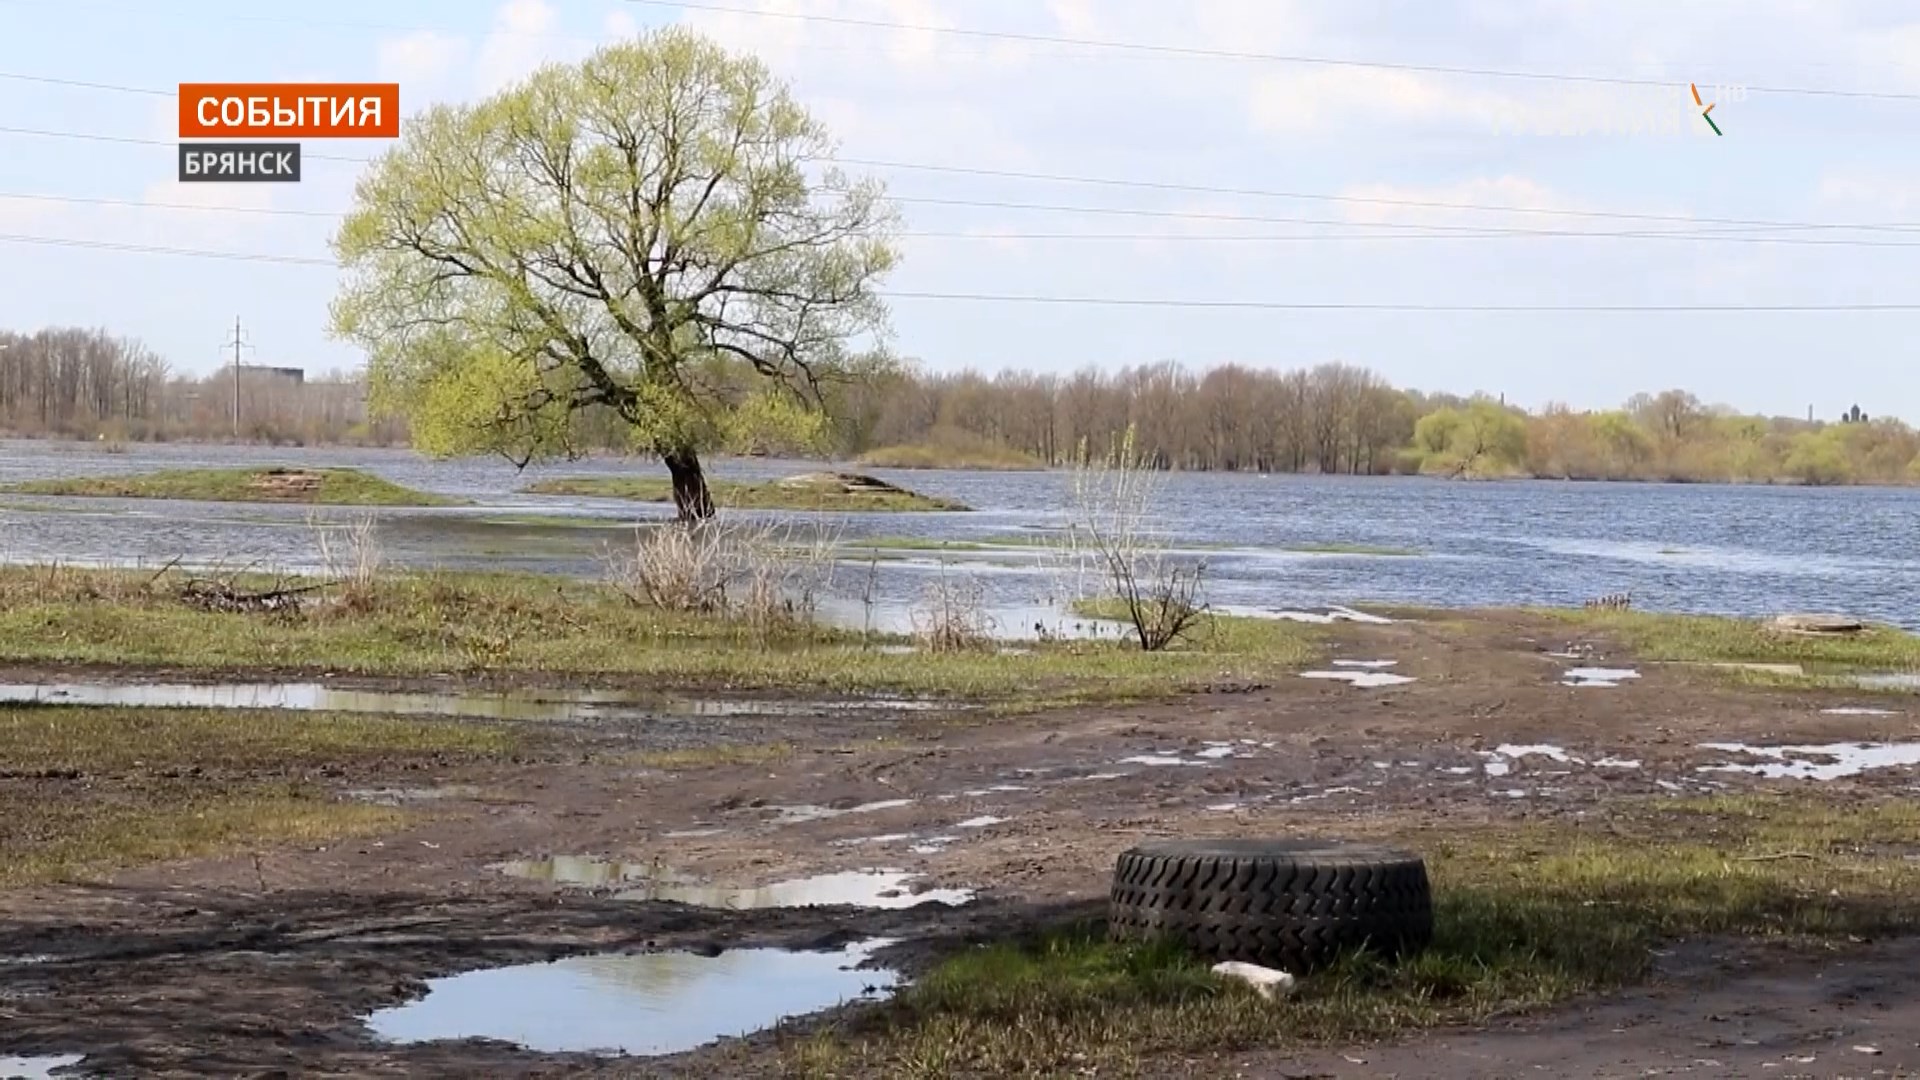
{"x":289,"y":110}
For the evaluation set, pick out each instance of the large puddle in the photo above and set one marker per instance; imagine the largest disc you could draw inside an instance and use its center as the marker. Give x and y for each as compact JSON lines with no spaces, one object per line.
{"x":1833,"y":761}
{"x":641,"y":1004}
{"x":877,"y":889}
{"x":36,"y":1068}
{"x":530,"y":705}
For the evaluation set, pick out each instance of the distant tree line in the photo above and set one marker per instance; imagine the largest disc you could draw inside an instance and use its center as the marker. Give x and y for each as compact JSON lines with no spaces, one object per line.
{"x":1336,"y":418}
{"x":69,"y":382}
{"x":1331,"y":419}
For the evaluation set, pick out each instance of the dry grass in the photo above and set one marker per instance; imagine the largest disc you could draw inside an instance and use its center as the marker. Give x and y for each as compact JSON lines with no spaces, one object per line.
{"x":429,"y":623}
{"x":951,"y":616}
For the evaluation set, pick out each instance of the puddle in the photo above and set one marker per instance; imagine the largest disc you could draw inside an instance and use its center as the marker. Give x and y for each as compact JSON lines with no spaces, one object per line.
{"x":863,"y":841}
{"x":1459,"y":770}
{"x":1157,"y":760}
{"x":796,"y":815}
{"x":1830,"y":762}
{"x":646,"y":1004}
{"x":586,"y":871}
{"x":1617,"y":763}
{"x":996,"y":789}
{"x":403,"y":795}
{"x":979,"y":822}
{"x":1319,"y":618}
{"x":1896,"y":680}
{"x":1112,"y":775}
{"x":1363,"y":679}
{"x":1215,"y":751}
{"x":1766,"y":669}
{"x":36,"y":1068}
{"x":1595,"y":676}
{"x":880,"y":889}
{"x":1372,"y":665}
{"x":933,"y":845}
{"x":1857,"y":710}
{"x":1223,"y":808}
{"x":691,"y":834}
{"x":554,"y":705}
{"x":1551,"y":753}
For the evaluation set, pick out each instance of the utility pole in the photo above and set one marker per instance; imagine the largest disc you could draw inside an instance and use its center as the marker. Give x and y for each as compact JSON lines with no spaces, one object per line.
{"x":238,"y":343}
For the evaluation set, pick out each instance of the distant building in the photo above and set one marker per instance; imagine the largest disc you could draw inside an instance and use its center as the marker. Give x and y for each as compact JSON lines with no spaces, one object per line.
{"x":294,"y":375}
{"x":1853,"y":416}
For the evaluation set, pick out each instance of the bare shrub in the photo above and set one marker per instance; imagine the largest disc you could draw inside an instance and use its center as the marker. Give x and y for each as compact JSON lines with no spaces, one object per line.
{"x":350,"y":556}
{"x":952,"y":615}
{"x":766,"y":573}
{"x":1111,"y":541}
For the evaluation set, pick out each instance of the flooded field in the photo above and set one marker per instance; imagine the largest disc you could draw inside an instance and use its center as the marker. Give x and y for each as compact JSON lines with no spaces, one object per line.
{"x":1271,"y":543}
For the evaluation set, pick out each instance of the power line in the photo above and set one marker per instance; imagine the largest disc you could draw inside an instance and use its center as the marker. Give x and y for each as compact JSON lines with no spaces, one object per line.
{"x":1285,"y":305}
{"x":1448,"y":232}
{"x":1195,"y":52}
{"x":1271,"y":58}
{"x":148,"y":249}
{"x":1112,"y":301}
{"x":1103,"y":181}
{"x":129,"y":140}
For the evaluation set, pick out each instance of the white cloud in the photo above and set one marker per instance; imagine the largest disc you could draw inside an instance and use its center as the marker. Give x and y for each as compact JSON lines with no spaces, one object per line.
{"x":421,"y":61}
{"x":621,"y":26}
{"x":521,"y":41}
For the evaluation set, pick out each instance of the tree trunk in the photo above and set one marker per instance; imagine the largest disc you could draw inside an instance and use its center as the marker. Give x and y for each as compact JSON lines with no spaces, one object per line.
{"x":690,"y":495}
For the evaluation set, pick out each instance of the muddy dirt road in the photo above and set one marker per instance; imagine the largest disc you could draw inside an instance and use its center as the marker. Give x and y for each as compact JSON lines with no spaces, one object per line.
{"x":270,"y":964}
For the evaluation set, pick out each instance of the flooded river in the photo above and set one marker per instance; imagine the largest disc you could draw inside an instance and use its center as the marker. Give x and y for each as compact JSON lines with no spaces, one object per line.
{"x":1728,"y":550}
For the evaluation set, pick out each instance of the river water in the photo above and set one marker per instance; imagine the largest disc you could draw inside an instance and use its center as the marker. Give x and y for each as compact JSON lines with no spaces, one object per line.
{"x":1699,"y":548}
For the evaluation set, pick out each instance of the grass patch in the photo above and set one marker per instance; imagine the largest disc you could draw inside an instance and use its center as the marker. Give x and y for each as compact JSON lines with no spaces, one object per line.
{"x":42,"y":738}
{"x":101,"y":789}
{"x":1713,"y":639}
{"x":1353,"y":549}
{"x":318,"y":487}
{"x":1526,"y":916}
{"x":810,"y":491}
{"x":975,"y":456}
{"x":79,"y":841}
{"x":429,"y":623}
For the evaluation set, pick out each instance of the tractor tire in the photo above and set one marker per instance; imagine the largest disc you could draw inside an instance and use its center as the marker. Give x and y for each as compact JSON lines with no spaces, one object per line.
{"x":1289,"y":904}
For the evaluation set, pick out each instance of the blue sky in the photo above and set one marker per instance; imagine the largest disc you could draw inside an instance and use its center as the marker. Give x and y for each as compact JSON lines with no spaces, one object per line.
{"x":915,"y":97}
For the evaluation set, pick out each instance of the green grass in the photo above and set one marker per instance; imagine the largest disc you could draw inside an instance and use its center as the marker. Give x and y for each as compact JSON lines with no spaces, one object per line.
{"x":99,"y":789}
{"x":1525,"y":917}
{"x":736,"y":495}
{"x":332,"y":487}
{"x":1712,"y":639}
{"x":978,"y":456}
{"x":1353,"y":549}
{"x":97,"y":740}
{"x":427,"y":623}
{"x":82,"y":841}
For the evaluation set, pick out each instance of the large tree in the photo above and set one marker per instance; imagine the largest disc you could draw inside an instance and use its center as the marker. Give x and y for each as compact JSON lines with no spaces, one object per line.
{"x":620,"y":235}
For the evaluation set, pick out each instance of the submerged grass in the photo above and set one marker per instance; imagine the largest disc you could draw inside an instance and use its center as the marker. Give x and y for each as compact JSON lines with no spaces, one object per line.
{"x":1354,"y":549}
{"x":429,"y":623}
{"x":796,"y":493}
{"x":1525,"y":916}
{"x":319,"y":487}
